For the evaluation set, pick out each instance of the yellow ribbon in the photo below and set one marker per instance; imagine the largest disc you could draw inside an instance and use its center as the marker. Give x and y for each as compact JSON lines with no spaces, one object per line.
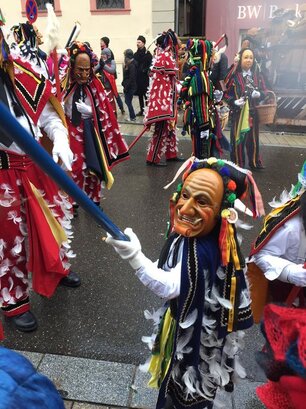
{"x":230,"y":325}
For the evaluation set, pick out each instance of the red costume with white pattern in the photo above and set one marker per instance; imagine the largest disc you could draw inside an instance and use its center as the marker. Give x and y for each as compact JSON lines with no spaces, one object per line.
{"x":161,"y":109}
{"x":31,"y":204}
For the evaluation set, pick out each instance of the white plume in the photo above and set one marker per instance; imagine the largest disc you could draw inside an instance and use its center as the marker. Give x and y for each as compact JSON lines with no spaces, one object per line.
{"x":189,"y":378}
{"x":183,"y":340}
{"x":284,"y":197}
{"x":225,"y":303}
{"x":52,"y":29}
{"x":190,"y":319}
{"x":239,"y":369}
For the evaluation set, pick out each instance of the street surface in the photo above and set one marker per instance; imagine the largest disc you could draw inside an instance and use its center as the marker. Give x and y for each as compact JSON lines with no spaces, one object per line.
{"x":103,"y":319}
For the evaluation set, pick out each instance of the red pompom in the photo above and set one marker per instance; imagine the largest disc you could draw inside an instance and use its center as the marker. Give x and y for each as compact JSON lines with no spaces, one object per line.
{"x":231,"y":185}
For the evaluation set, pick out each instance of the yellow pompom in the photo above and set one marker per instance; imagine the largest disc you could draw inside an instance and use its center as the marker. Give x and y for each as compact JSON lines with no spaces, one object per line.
{"x":212,"y":160}
{"x":225,"y":213}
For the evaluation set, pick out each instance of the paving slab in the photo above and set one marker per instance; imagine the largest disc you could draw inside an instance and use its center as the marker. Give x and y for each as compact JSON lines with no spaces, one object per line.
{"x":34,"y":357}
{"x":142,"y":396}
{"x":88,"y":380}
{"x":245,"y":396}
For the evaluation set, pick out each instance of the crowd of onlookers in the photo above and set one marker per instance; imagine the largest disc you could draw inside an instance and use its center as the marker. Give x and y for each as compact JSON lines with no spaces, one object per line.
{"x":135,"y":75}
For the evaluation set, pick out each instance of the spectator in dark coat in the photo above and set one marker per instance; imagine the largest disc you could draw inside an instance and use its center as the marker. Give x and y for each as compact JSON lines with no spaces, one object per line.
{"x":129,"y":82}
{"x":143,"y":58}
{"x":104,"y":43}
{"x":218,"y":72}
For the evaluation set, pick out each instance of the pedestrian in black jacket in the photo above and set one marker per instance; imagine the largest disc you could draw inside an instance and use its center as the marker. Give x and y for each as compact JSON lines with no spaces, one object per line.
{"x":129,"y":82}
{"x":143,"y":58}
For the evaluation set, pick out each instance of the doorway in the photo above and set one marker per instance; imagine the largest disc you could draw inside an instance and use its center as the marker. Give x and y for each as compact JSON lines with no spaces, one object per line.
{"x":190,"y":18}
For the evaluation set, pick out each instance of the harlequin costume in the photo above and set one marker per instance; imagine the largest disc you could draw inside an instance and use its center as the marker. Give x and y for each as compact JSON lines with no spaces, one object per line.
{"x":32,"y":206}
{"x":201,"y":119}
{"x":161,"y":110}
{"x":280,"y":243}
{"x":96,"y":142}
{"x":283,"y":358}
{"x":198,"y":333}
{"x":244,"y":120}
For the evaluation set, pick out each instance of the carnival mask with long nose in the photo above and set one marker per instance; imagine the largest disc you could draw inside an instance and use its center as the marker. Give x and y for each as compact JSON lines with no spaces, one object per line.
{"x":196,"y":212}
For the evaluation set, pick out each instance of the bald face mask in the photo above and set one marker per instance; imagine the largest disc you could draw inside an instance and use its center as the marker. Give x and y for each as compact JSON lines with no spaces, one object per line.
{"x":197,"y":210}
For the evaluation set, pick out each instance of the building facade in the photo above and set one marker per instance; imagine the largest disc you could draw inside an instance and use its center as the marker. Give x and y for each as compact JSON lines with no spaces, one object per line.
{"x":120,"y":20}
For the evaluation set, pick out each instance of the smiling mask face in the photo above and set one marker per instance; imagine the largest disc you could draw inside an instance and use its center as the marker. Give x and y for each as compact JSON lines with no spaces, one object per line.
{"x":199,"y":204}
{"x":247,"y":60}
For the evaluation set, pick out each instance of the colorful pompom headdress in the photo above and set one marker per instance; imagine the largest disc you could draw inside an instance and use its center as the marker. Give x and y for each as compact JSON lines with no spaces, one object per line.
{"x":77,"y":47}
{"x":238,"y":185}
{"x":74,"y":49}
{"x":168,"y":39}
{"x":200,"y":52}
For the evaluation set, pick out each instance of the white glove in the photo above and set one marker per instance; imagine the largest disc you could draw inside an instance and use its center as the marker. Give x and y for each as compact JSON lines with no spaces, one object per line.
{"x":218,"y":95}
{"x":62,"y":150}
{"x":204,"y":134}
{"x":240,"y":102}
{"x":128,"y":250}
{"x":255,"y":94}
{"x":84,"y":109}
{"x":294,"y":274}
{"x":178,"y":86}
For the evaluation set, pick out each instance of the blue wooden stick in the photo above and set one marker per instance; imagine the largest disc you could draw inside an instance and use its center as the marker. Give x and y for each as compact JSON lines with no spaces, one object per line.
{"x":40,"y":156}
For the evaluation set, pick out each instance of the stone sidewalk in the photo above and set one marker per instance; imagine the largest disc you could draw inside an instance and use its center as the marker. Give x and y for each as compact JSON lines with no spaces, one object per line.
{"x":93,"y":384}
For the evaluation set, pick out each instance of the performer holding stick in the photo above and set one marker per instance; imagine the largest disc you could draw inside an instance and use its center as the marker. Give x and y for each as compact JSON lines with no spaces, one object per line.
{"x":198,"y":333}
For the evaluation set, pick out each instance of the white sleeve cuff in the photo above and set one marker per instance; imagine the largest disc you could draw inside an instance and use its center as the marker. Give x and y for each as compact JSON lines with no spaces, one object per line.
{"x":165,"y":284}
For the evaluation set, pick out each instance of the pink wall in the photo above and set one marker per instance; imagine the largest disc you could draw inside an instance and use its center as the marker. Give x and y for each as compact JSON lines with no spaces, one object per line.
{"x":230,"y":16}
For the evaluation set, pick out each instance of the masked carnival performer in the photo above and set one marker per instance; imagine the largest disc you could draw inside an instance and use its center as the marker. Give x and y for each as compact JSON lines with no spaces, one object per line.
{"x":32,"y":206}
{"x":279,"y":252}
{"x":201,"y":119}
{"x":198,"y":333}
{"x":94,"y":133}
{"x":245,"y":88}
{"x":161,"y":110}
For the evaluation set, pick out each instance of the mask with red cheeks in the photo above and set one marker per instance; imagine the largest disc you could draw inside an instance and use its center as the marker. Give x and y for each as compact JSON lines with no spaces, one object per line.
{"x":199,"y":204}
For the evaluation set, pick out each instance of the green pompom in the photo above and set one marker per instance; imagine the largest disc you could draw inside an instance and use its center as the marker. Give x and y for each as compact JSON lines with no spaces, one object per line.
{"x":231,"y":197}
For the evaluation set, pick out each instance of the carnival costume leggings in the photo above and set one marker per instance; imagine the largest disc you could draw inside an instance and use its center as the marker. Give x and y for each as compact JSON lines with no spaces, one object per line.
{"x":163,"y":141}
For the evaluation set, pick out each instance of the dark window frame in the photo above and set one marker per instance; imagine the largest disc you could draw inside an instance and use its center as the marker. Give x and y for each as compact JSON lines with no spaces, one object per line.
{"x":114,"y":10}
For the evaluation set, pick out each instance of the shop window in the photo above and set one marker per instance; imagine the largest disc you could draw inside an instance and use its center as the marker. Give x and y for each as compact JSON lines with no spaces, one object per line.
{"x":41,"y":6}
{"x":110,"y":6}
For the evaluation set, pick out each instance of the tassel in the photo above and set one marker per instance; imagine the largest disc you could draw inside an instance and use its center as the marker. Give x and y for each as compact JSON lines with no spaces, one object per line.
{"x":17,"y":110}
{"x":230,"y":325}
{"x":224,"y":244}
